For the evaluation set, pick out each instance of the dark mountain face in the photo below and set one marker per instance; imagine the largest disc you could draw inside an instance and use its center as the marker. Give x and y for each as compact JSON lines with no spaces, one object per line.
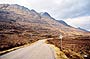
{"x":45,"y":14}
{"x":83,"y":29}
{"x":63,"y":22}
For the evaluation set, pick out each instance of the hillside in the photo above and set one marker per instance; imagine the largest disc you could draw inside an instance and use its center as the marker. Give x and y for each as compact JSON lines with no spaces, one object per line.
{"x":19,"y":26}
{"x":22,"y":14}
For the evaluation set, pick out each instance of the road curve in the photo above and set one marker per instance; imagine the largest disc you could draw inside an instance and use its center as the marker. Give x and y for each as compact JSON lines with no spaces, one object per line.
{"x":38,"y":50}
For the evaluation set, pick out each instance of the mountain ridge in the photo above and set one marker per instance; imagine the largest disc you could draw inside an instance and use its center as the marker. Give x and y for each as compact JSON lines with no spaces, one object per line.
{"x":83,"y":29}
{"x":23,"y":14}
{"x":63,"y":22}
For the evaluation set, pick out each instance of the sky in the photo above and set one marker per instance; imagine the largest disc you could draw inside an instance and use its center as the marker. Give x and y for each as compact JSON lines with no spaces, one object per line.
{"x":74,"y":12}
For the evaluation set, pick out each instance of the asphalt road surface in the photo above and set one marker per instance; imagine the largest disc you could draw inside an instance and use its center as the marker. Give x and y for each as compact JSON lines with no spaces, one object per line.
{"x":38,"y":50}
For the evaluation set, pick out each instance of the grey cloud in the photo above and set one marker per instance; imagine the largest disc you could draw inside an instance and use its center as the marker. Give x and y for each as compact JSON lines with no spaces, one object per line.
{"x":82,"y":22}
{"x":59,"y":9}
{"x":62,"y":9}
{"x":75,"y":9}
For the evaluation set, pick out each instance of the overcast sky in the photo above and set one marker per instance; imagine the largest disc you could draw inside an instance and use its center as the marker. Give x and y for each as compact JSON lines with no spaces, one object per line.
{"x":74,"y":12}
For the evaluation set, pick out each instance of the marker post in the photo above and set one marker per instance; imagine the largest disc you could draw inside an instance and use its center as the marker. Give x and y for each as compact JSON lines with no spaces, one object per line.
{"x":60,"y":37}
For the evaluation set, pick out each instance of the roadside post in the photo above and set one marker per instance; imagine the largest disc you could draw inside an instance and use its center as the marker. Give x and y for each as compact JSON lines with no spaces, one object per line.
{"x":60,"y":37}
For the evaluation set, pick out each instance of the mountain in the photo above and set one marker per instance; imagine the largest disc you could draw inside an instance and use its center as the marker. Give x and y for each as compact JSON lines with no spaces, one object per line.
{"x":45,"y":14}
{"x":83,"y":29}
{"x":20,"y":14}
{"x":19,"y":26}
{"x":63,"y":22}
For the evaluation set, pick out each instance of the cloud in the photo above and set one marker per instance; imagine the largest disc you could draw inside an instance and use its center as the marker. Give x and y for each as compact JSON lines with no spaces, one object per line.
{"x":82,"y":22}
{"x":59,"y":9}
{"x":63,"y":9}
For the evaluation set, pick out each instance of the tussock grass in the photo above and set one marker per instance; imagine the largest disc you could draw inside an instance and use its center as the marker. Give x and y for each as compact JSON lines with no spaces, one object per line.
{"x":72,"y":55}
{"x":66,"y":53}
{"x":59,"y":54}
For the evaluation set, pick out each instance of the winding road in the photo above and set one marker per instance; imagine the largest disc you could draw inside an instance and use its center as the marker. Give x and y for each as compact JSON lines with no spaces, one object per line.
{"x":38,"y":50}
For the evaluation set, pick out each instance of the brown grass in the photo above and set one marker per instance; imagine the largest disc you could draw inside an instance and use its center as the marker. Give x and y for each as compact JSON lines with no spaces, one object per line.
{"x":79,"y":45}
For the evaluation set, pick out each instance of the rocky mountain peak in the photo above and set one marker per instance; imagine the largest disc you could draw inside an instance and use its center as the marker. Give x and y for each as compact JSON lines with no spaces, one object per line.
{"x":34,"y":12}
{"x":15,"y":8}
{"x":2,"y":6}
{"x":45,"y":14}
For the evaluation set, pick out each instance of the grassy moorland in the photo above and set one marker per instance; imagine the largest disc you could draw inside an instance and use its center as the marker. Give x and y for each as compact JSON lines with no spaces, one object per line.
{"x":76,"y":48}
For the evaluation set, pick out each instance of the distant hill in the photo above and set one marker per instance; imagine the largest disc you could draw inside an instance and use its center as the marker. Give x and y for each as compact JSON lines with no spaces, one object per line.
{"x":83,"y":29}
{"x":63,"y":22}
{"x":45,"y":14}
